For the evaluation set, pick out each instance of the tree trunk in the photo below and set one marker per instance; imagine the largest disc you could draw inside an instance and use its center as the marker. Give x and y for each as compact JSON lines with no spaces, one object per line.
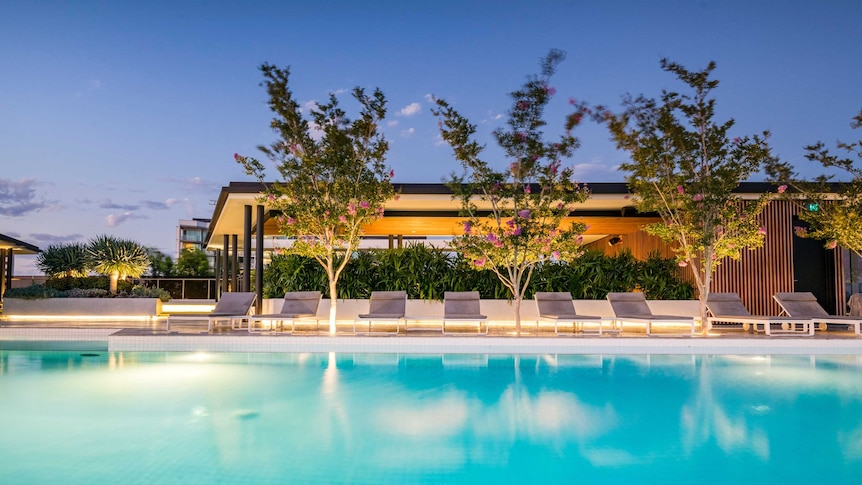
{"x":333,"y":302}
{"x":516,"y":306}
{"x":115,"y":276}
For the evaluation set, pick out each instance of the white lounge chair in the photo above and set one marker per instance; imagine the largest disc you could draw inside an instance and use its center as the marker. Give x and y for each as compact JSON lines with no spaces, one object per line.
{"x":804,"y":305}
{"x":558,"y":307}
{"x":298,"y":305}
{"x":229,"y":306}
{"x":632,"y":307}
{"x":728,"y":308}
{"x":463,"y":306}
{"x":386,"y":306}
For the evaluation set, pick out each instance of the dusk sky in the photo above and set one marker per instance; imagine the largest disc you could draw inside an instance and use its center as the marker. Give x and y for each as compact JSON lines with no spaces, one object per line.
{"x":121,"y":117}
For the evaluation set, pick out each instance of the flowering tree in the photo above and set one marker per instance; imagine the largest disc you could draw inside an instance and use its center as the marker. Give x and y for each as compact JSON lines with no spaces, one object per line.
{"x":334,"y":176}
{"x":527,"y":201}
{"x":685,"y":167}
{"x":836,"y":219}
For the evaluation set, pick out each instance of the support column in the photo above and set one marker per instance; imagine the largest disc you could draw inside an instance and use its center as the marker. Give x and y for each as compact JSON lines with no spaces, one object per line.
{"x":234,"y":264}
{"x":390,"y":241}
{"x":226,"y":262}
{"x":218,"y":286}
{"x":400,"y":241}
{"x":246,"y":250}
{"x":4,"y":282}
{"x":258,"y":261}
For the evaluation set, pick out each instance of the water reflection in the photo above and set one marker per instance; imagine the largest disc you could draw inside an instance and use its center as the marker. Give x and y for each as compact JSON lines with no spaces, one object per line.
{"x":397,"y":414}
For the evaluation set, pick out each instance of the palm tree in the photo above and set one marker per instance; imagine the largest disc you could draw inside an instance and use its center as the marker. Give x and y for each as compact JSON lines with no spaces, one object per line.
{"x":117,"y":258}
{"x":59,"y":260}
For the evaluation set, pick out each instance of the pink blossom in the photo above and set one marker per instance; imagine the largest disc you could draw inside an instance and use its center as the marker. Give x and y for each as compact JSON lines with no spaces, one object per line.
{"x":800,"y":231}
{"x":832,"y":244}
{"x":270,"y":197}
{"x":527,"y":189}
{"x":498,"y":244}
{"x":479,"y":262}
{"x":495,"y":187}
{"x":555,"y":255}
{"x":517,"y":231}
{"x":342,"y":219}
{"x":524,"y":214}
{"x":468,"y":228}
{"x":520,"y":136}
{"x":491,"y":237}
{"x":737,"y":139}
{"x":351,"y":209}
{"x":680,"y":189}
{"x":573,"y":101}
{"x":580,"y":239}
{"x":397,"y":197}
{"x":290,"y":220}
{"x":534,"y":157}
{"x":683,"y":264}
{"x":391,"y":173}
{"x":627,"y":196}
{"x":550,"y":90}
{"x":510,"y":223}
{"x":522,"y":105}
{"x":762,"y":230}
{"x":697,"y":197}
{"x":781,"y":189}
{"x":364,"y":204}
{"x":236,"y":156}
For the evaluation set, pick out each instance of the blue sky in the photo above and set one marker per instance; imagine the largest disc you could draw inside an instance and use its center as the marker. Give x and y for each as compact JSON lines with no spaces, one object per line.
{"x":120,"y":117}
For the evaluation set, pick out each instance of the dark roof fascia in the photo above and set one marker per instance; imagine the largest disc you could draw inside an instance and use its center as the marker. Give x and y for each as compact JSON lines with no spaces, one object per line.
{"x":22,"y":244}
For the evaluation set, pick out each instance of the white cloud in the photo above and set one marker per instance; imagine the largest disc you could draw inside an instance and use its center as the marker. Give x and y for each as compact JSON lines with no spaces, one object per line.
{"x":114,"y":220}
{"x":19,"y":198}
{"x":338,"y":91}
{"x":430,"y":98}
{"x":408,"y":132}
{"x":498,"y":116}
{"x":308,"y":106}
{"x":597,"y":172}
{"x":438,"y":140}
{"x":411,"y":109}
{"x":392,"y":123}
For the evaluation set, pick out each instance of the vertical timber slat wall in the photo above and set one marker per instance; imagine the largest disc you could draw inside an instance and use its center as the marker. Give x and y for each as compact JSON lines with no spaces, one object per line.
{"x":761,"y":273}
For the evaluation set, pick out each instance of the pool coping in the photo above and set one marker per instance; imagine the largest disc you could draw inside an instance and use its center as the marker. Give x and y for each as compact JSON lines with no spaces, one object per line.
{"x":120,"y":340}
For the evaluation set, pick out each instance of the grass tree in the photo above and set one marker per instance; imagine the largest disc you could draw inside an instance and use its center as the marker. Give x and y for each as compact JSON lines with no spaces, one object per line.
{"x":833,"y":212}
{"x":685,"y":166}
{"x":524,"y":203}
{"x":63,"y":260}
{"x":117,"y":258}
{"x":334,"y":177}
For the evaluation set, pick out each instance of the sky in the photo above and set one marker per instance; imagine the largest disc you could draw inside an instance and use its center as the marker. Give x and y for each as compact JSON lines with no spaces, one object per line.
{"x":122,"y":117}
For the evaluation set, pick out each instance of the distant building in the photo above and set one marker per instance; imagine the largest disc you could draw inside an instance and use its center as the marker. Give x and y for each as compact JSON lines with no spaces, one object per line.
{"x":192,"y":234}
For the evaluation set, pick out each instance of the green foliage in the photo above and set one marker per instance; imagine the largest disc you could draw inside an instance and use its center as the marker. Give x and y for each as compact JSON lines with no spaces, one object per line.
{"x":528,"y":200}
{"x":63,"y":260}
{"x":838,"y":218}
{"x":161,"y":264}
{"x":426,"y":273}
{"x":685,"y":167}
{"x":334,"y":178}
{"x":193,"y":262}
{"x":34,"y":292}
{"x":86,"y":283}
{"x":117,"y":258}
{"x":87,"y":293}
{"x":139,"y":291}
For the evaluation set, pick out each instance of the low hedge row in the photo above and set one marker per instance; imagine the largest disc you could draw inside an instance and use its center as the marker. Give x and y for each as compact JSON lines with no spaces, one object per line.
{"x":426,"y":273}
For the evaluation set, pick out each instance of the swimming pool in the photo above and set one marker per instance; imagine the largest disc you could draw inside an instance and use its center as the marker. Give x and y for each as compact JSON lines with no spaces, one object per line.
{"x":109,"y":417}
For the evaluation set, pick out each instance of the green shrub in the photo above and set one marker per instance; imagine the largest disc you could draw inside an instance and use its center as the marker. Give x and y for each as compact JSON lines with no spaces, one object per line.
{"x":139,"y":291}
{"x":87,"y":293}
{"x":426,"y":273}
{"x":34,"y":292}
{"x":86,"y":283}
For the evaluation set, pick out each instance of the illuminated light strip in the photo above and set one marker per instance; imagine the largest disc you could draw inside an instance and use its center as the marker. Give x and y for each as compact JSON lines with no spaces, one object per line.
{"x":187,"y":308}
{"x":82,"y":318}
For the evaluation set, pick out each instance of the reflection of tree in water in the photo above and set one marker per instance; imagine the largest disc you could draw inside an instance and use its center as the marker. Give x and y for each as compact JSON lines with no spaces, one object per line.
{"x":706,"y":419}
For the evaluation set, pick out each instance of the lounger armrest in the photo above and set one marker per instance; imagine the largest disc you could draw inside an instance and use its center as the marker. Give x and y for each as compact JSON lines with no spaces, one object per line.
{"x":570,"y":317}
{"x":464,"y":316}
{"x":380,"y":315}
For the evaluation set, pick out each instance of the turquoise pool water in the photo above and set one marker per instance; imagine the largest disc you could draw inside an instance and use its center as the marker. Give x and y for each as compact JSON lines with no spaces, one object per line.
{"x":101,"y":417}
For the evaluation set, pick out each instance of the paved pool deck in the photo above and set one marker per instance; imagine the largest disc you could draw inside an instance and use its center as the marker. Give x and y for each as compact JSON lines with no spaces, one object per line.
{"x":152,"y":337}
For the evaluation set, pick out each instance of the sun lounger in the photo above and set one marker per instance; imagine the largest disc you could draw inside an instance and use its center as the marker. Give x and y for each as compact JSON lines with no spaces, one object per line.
{"x":632,"y":307}
{"x":298,"y":305}
{"x":804,"y":305}
{"x":463,"y":307}
{"x":558,"y":307}
{"x":229,"y":306}
{"x":728,"y":308}
{"x":388,"y":306}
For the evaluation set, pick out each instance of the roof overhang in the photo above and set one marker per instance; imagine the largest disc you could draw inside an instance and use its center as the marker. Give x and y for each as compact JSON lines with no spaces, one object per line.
{"x":17,"y":247}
